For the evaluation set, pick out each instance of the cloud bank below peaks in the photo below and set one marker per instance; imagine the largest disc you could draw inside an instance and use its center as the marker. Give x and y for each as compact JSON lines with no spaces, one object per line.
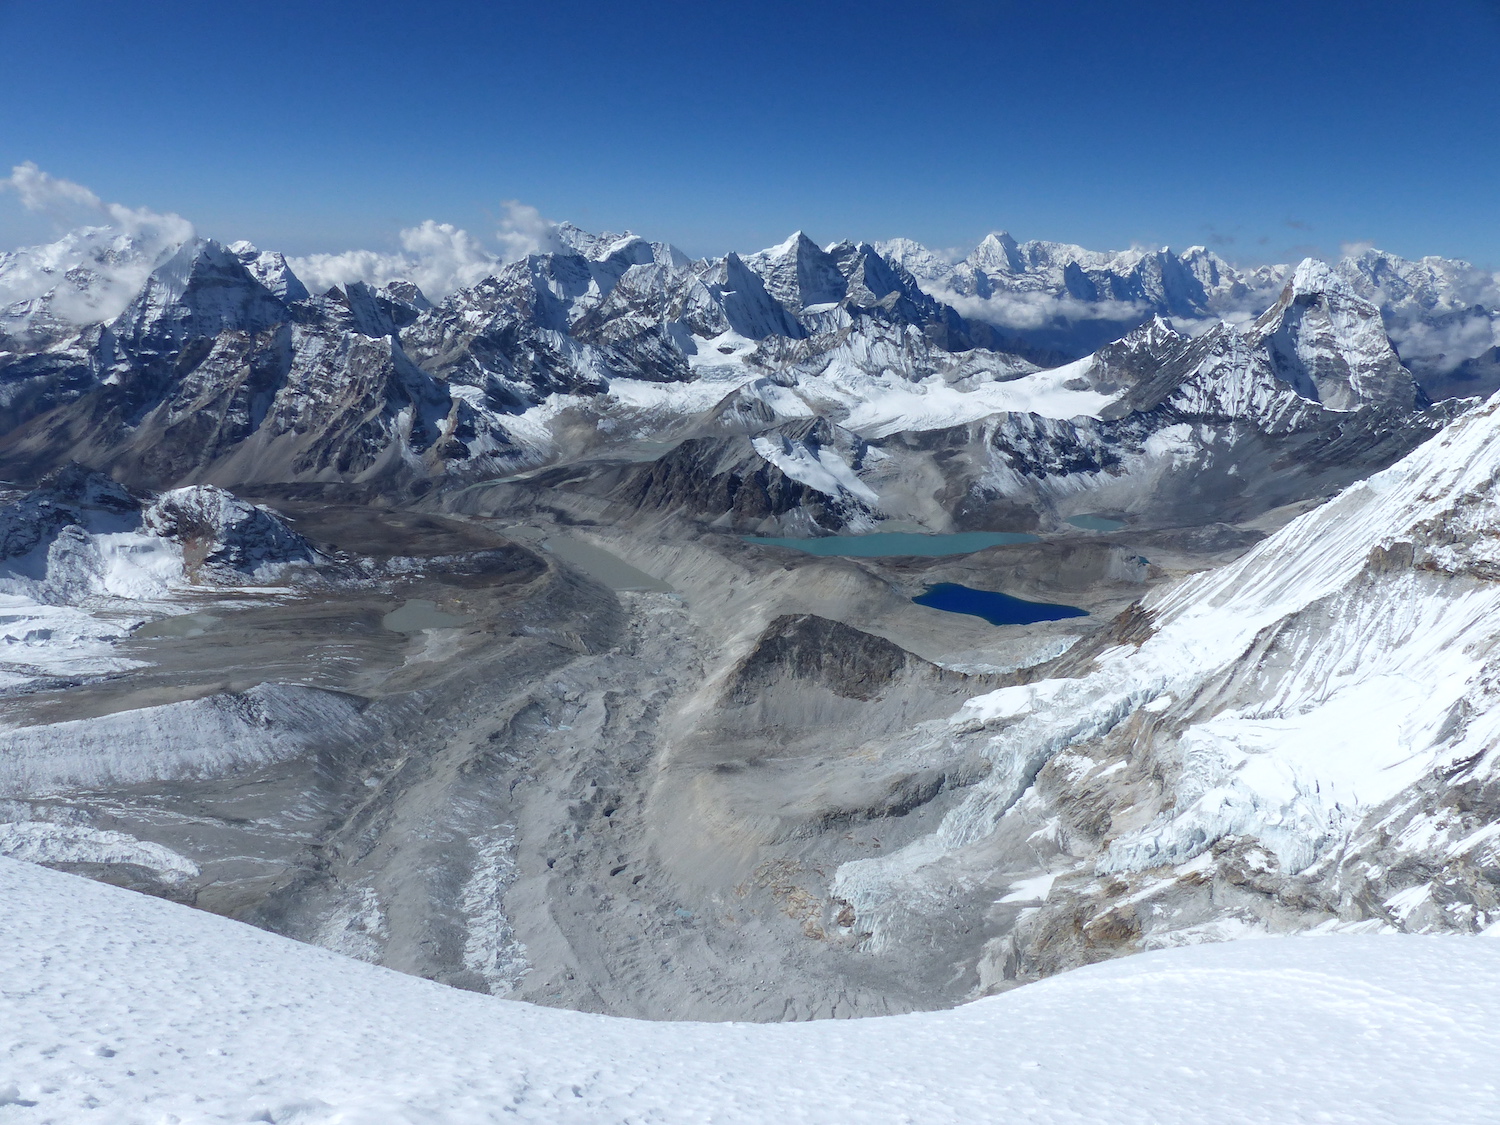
{"x":438,"y":257}
{"x":1034,"y":309}
{"x":91,"y":272}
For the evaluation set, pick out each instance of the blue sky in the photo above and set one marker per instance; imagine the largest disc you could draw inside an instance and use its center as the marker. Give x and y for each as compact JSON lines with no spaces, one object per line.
{"x":1265,"y":130}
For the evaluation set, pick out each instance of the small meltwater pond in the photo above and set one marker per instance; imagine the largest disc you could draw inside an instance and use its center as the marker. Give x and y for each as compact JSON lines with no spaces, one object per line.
{"x":182,"y":625}
{"x":418,"y":614}
{"x":881,"y":544}
{"x":997,"y":609}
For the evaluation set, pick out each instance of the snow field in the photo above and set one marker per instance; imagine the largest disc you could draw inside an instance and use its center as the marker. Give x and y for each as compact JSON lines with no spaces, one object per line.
{"x":119,"y":1008}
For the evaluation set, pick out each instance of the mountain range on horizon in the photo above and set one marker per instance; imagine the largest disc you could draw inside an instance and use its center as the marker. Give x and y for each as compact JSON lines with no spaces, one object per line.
{"x":1027,"y":287}
{"x":177,"y":360}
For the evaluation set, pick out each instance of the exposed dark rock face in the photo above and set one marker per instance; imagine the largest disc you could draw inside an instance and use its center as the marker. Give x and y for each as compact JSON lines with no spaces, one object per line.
{"x":225,"y":531}
{"x":849,"y":663}
{"x":742,"y":484}
{"x":724,"y":478}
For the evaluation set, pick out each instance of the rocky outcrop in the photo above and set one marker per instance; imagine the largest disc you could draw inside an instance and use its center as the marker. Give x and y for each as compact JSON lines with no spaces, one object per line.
{"x":849,"y":663}
{"x":220,"y":531}
{"x":80,"y":534}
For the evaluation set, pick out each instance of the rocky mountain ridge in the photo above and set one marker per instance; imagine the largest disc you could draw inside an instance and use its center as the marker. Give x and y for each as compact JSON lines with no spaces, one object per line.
{"x":224,"y":369}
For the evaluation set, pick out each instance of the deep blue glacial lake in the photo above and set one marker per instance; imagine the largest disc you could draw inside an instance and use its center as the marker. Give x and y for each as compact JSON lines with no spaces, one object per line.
{"x":880,"y":544}
{"x":997,"y":609}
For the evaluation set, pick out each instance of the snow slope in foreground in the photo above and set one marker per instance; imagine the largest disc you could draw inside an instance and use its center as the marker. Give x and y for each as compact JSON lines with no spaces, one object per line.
{"x":119,"y":1008}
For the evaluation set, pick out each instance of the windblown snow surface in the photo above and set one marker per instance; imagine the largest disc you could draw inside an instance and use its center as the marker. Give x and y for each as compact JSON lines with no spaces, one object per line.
{"x":122,"y":1009}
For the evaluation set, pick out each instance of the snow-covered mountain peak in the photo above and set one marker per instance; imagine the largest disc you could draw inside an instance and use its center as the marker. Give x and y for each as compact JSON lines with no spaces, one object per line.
{"x":796,"y":242}
{"x":1144,"y":348}
{"x":869,"y":277}
{"x":271,"y":269}
{"x":196,"y":258}
{"x":800,"y":274}
{"x":201,"y":290}
{"x":567,"y":238}
{"x":1330,"y":345}
{"x":931,"y":269}
{"x":1440,"y":313}
{"x":1313,"y":277}
{"x":999,"y":251}
{"x":407,"y":293}
{"x":1157,"y":331}
{"x":748,"y":307}
{"x":1431,"y":281}
{"x":571,"y":238}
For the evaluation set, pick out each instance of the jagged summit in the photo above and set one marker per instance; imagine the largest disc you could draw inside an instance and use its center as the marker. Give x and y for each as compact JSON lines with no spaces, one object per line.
{"x":998,"y":250}
{"x":203,"y":290}
{"x":1330,"y":345}
{"x":800,"y":274}
{"x":271,"y":269}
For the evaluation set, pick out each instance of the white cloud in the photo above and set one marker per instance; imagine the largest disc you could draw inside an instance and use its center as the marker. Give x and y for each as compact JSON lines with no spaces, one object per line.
{"x":92,"y":272}
{"x":42,"y":192}
{"x":1445,"y":345}
{"x":1035,"y":309}
{"x":117,"y":247}
{"x":438,"y":257}
{"x":524,"y":231}
{"x":69,"y":203}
